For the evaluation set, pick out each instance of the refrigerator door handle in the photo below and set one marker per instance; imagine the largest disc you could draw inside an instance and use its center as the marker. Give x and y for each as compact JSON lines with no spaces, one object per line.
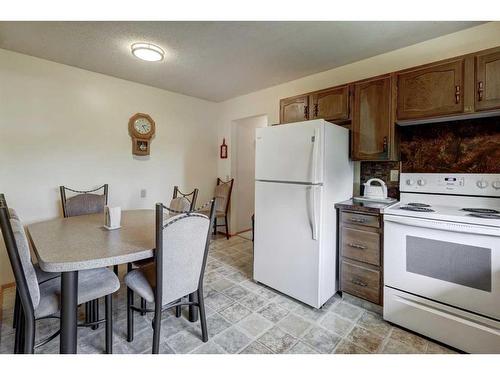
{"x":314,"y":161}
{"x":314,"y":214}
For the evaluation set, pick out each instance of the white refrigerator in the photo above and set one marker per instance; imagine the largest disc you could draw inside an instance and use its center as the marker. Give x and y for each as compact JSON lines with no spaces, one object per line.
{"x":301,"y":171}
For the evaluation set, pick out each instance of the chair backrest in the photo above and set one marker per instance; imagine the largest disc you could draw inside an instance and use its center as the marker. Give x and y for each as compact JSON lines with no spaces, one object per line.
{"x":181,"y":253}
{"x":16,"y":243}
{"x":179,"y":204}
{"x":84,"y":202}
{"x":190,"y":196}
{"x":222,"y":194}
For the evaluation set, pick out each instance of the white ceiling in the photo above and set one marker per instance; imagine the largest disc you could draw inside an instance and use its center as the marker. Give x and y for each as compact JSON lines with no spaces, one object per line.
{"x":216,"y":60}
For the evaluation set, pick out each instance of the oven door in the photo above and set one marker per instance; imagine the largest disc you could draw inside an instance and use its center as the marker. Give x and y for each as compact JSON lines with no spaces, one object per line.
{"x":453,"y":263}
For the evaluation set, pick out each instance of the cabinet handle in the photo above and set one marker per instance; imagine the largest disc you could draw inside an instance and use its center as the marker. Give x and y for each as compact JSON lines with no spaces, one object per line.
{"x":480,"y":91}
{"x":357,"y":282}
{"x":306,"y":111}
{"x":356,"y":246}
{"x":385,"y":145}
{"x":316,"y":110}
{"x":457,"y":94}
{"x":356,"y":220}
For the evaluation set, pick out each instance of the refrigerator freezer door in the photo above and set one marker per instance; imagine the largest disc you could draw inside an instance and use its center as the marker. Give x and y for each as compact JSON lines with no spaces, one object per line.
{"x":292,"y":152}
{"x":286,"y":255}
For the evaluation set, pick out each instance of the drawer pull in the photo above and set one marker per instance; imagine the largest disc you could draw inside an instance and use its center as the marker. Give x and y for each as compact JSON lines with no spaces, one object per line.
{"x":356,"y":220}
{"x":356,"y":246}
{"x":360,"y":283}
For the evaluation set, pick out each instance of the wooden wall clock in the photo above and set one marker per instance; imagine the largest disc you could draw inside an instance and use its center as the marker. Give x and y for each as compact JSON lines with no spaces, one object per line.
{"x":141,"y":128}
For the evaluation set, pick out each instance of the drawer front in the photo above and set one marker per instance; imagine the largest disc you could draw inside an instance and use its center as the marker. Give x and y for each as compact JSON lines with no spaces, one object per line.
{"x":361,"y":282}
{"x":360,"y":219}
{"x":361,"y":245}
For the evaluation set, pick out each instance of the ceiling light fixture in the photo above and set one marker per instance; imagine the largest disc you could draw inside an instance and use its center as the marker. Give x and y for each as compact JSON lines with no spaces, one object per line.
{"x":147,"y":51}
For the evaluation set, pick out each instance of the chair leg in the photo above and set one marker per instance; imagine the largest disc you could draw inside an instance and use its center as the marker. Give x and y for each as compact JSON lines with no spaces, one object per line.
{"x":115,"y":269}
{"x":143,"y":306}
{"x":17,"y":303}
{"x":215,"y":226}
{"x":203,"y":318}
{"x":19,"y":331}
{"x":130,"y":315}
{"x":178,"y":311}
{"x":130,"y":312}
{"x":29,"y":335}
{"x":95,"y":315}
{"x":156,"y":331}
{"x":227,"y":227}
{"x":109,"y":323}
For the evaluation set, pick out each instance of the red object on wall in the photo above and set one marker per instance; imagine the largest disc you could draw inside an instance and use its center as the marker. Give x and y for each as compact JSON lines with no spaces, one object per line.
{"x":223,"y":149}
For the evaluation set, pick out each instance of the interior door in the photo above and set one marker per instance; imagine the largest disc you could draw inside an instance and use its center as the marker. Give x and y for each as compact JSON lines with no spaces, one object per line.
{"x":488,"y":81}
{"x":286,"y":246}
{"x":292,"y":153}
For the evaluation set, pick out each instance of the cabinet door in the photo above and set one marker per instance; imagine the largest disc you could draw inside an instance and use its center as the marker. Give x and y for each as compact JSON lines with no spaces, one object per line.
{"x":294,"y":109}
{"x":488,"y":81}
{"x":371,"y":120}
{"x":435,"y":90}
{"x":331,"y":104}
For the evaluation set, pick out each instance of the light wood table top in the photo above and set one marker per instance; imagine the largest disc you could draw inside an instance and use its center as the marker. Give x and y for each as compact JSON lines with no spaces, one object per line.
{"x":81,"y":242}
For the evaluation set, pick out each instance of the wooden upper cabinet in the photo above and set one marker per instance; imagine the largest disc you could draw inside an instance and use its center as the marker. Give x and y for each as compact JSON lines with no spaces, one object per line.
{"x":294,"y":109}
{"x":331,"y":104}
{"x":431,"y":91}
{"x":487,"y":95}
{"x":372,"y":120}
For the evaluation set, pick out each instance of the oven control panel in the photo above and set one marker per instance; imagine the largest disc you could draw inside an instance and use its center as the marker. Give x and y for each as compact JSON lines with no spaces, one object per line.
{"x":451,"y":183}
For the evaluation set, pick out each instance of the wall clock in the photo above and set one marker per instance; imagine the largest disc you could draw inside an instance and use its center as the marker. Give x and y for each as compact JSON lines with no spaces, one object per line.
{"x":141,"y":128}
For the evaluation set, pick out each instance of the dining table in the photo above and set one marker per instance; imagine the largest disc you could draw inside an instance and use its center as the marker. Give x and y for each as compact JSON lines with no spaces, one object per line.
{"x":72,"y":244}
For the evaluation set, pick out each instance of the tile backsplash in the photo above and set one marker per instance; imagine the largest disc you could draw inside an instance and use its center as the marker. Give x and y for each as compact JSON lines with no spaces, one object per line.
{"x":382,"y":170}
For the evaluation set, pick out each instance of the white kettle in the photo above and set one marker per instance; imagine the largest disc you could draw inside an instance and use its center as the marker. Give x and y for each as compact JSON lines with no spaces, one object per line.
{"x":375,"y":191}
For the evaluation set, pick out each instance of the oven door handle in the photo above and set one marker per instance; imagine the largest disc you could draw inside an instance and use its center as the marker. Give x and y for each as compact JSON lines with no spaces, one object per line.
{"x":450,"y":226}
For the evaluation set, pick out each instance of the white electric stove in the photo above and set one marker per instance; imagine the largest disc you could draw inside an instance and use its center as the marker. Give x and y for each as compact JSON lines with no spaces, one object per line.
{"x":442,"y":259}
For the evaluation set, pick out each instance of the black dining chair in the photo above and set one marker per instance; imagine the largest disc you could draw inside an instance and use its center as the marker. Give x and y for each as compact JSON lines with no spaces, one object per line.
{"x":181,"y":250}
{"x":86,"y":202}
{"x":41,"y":300}
{"x":222,"y":194}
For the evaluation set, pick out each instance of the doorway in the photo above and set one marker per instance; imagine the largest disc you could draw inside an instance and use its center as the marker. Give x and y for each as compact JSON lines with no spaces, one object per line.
{"x":243,"y":171}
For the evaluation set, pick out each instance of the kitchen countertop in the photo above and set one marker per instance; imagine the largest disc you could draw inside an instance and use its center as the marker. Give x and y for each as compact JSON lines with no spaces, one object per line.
{"x":363,"y":206}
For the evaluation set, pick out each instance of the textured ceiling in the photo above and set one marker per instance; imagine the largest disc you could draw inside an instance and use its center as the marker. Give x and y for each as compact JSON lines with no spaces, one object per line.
{"x":216,"y":60}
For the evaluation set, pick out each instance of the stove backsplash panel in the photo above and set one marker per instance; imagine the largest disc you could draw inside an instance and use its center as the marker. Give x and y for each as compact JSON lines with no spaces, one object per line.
{"x":465,"y":146}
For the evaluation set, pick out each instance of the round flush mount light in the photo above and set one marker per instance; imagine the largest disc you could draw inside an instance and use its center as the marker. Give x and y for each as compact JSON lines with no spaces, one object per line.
{"x":147,"y":52}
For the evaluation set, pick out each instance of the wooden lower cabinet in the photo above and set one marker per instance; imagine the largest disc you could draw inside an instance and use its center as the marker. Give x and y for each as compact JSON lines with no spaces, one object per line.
{"x":487,"y":95}
{"x":361,"y":255}
{"x":372,"y":120}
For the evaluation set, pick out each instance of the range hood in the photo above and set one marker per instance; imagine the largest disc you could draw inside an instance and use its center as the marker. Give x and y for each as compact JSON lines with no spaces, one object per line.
{"x":458,"y":117}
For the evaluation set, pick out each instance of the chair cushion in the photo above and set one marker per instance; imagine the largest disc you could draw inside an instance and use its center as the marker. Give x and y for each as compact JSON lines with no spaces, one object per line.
{"x":92,"y":284}
{"x":43,"y":276}
{"x":142,"y":281}
{"x":181,"y":204}
{"x":85,"y":204}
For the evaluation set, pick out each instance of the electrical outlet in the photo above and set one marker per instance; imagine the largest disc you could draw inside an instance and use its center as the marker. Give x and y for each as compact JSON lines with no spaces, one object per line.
{"x":394,"y":175}
{"x":144,"y":193}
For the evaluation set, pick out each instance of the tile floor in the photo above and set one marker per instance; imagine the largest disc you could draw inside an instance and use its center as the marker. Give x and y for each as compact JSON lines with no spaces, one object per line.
{"x":243,"y":317}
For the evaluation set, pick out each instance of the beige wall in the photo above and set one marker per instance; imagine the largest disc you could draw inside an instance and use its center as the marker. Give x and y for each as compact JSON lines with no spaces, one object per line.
{"x":267,"y":101}
{"x":62,"y":125}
